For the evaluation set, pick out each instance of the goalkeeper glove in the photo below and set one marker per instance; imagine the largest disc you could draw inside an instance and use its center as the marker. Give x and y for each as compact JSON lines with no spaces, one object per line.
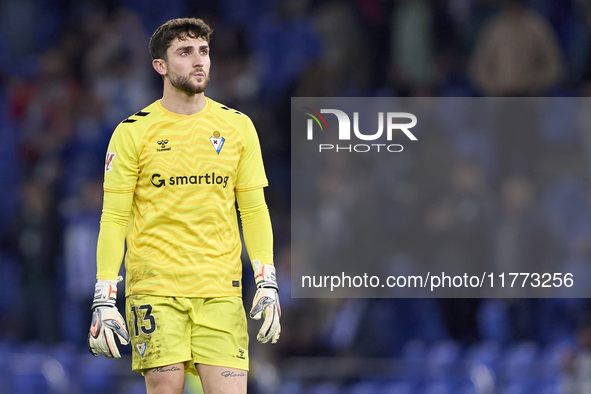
{"x":106,"y":320}
{"x":266,"y":302}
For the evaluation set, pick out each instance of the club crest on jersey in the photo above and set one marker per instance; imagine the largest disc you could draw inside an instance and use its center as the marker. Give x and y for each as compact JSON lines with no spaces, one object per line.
{"x":141,"y":348}
{"x":109,"y":161}
{"x":217,"y":141}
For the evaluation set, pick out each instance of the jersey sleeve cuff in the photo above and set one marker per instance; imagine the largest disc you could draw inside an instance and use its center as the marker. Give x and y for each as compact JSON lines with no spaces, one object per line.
{"x":110,"y":190}
{"x":247,"y":188}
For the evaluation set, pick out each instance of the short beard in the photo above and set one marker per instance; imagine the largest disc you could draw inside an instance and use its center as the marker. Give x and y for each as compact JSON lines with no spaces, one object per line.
{"x":184,"y":83}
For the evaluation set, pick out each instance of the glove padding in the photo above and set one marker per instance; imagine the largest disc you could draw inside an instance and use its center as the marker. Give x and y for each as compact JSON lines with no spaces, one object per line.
{"x":266,"y":303}
{"x":106,"y":320}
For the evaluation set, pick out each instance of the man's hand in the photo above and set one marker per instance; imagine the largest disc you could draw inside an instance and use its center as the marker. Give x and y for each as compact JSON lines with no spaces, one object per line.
{"x":106,"y":320}
{"x":266,"y":302}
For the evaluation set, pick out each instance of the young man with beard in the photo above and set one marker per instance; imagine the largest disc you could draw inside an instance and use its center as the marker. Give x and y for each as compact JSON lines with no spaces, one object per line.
{"x":173,"y":173}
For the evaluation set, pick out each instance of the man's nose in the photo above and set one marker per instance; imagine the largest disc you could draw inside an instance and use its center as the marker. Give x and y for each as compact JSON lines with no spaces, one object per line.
{"x":198,"y":61}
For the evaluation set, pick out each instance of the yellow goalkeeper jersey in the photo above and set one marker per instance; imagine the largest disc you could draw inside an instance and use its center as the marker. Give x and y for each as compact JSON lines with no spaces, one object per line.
{"x":182,"y":237}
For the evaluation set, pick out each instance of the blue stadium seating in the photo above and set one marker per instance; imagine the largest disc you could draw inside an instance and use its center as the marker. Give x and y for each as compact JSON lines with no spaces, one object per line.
{"x":364,"y":387}
{"x":398,"y":388}
{"x":485,"y":353}
{"x":518,"y":364}
{"x":26,"y":373}
{"x":98,"y":374}
{"x":441,"y":360}
{"x":324,"y":388}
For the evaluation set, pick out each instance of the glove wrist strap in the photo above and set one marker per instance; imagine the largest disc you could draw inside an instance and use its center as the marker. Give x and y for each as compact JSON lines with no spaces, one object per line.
{"x":105,"y":292}
{"x":264,"y":275}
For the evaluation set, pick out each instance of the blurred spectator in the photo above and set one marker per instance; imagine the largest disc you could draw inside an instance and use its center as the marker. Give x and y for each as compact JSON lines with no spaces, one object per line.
{"x":457,"y":225}
{"x":516,"y":137}
{"x":457,"y":230}
{"x":577,"y":262}
{"x":44,"y":108}
{"x":516,"y":54}
{"x":284,"y":44}
{"x":413,"y":44}
{"x":424,"y":47}
{"x":374,"y":19}
{"x":82,"y":216}
{"x":584,"y":125}
{"x":17,"y":25}
{"x":9,"y":173}
{"x":38,"y":239}
{"x":344,"y":67}
{"x":522,"y":243}
{"x":236,"y":80}
{"x":577,"y":362}
{"x":117,"y":66}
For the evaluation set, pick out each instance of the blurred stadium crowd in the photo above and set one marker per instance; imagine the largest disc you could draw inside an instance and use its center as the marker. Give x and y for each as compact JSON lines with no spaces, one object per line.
{"x":71,"y":70}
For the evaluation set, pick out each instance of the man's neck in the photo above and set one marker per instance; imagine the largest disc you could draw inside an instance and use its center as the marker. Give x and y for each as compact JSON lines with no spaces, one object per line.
{"x":181,"y":103}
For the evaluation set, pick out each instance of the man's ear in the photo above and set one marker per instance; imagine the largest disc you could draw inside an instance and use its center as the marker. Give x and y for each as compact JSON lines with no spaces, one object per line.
{"x":160,"y":66}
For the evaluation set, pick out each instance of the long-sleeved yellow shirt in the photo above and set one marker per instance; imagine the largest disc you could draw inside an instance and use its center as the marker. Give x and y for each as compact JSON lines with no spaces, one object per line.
{"x":171,"y":183}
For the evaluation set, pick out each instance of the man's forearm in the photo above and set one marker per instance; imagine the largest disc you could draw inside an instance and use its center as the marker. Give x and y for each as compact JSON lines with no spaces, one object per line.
{"x":256,"y":225}
{"x":111,"y":240}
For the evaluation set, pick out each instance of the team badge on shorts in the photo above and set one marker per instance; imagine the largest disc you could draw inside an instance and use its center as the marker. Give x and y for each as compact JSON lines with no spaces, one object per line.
{"x":141,"y":348}
{"x":217,"y":141}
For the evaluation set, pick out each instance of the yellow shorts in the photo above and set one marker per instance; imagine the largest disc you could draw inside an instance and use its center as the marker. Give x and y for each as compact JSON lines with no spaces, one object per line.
{"x":170,"y":330}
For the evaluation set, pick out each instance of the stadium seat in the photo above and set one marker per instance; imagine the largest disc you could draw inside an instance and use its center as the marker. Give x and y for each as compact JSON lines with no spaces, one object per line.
{"x":68,"y":356}
{"x":138,"y":387}
{"x":442,"y":360}
{"x":291,"y":387}
{"x":440,"y":388}
{"x":9,"y":283}
{"x":98,"y":374}
{"x":486,"y":353}
{"x":467,"y":388}
{"x":551,"y":388}
{"x":324,"y":388}
{"x":550,"y":362}
{"x":558,"y":122}
{"x":414,"y":354}
{"x":26,"y":374}
{"x":519,"y":364}
{"x":517,"y":388}
{"x":398,"y":388}
{"x":482,"y":379}
{"x":4,"y":374}
{"x":365,"y":387}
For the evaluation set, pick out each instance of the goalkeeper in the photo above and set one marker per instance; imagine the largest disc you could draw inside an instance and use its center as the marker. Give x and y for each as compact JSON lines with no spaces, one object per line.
{"x":173,"y":173}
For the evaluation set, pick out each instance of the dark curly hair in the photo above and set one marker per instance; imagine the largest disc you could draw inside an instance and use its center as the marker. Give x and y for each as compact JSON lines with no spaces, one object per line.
{"x":180,"y":28}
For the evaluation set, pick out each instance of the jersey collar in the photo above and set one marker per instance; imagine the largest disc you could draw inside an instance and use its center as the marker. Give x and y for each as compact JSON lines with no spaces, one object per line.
{"x":197,"y":115}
